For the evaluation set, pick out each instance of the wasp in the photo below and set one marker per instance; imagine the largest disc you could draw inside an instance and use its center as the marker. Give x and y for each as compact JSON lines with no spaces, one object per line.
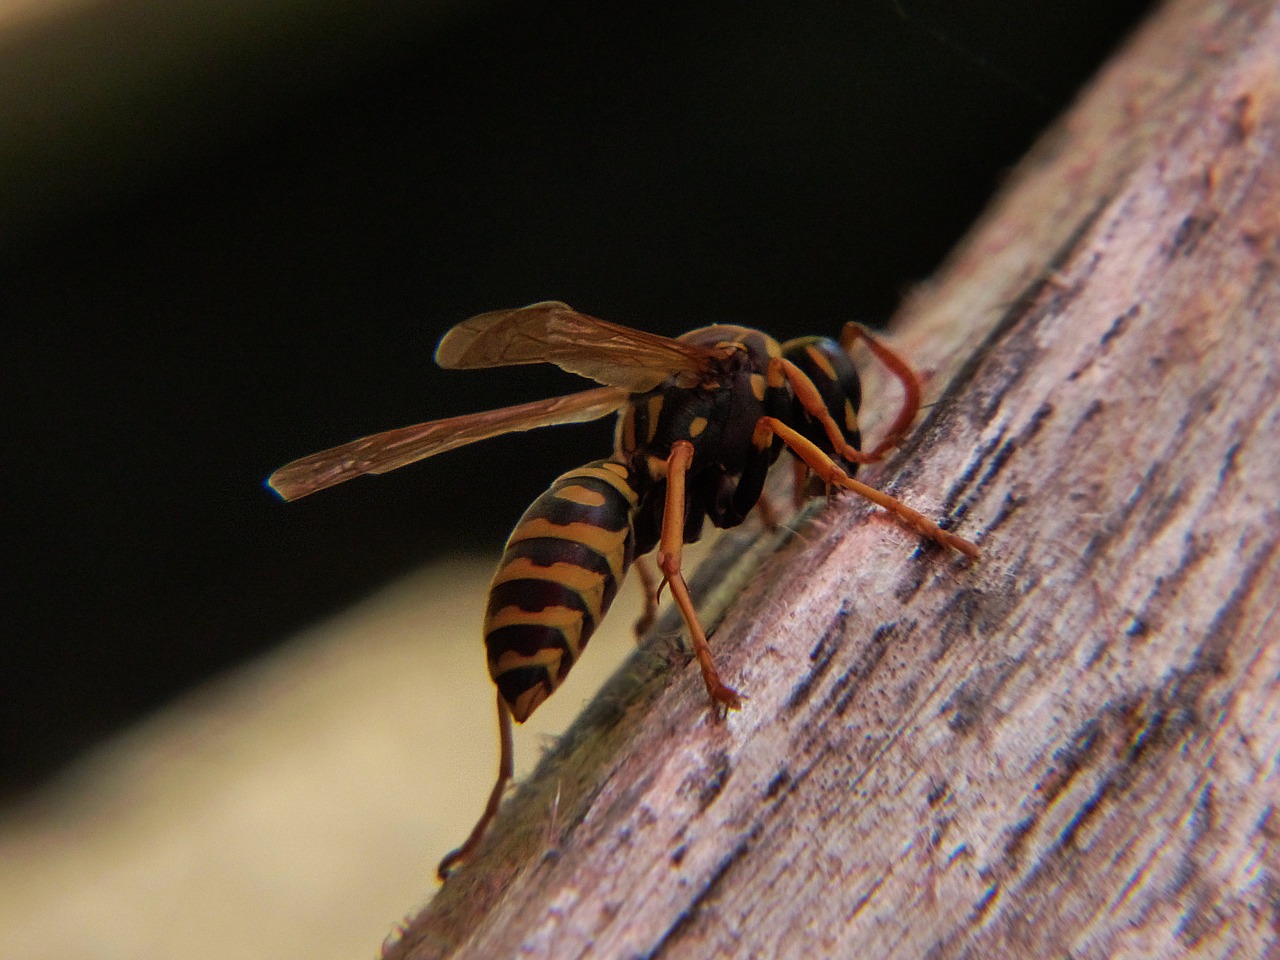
{"x":701,"y":418}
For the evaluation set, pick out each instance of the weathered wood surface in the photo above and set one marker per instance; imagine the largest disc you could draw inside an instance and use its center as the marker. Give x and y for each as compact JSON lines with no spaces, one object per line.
{"x":1069,"y":748}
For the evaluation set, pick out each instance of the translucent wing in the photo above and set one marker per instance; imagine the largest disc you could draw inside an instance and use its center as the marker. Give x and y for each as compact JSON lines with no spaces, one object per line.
{"x":553,"y":332}
{"x":382,"y":452}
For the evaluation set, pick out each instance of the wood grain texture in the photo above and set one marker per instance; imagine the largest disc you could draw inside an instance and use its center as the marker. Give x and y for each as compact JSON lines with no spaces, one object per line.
{"x":1069,"y":748}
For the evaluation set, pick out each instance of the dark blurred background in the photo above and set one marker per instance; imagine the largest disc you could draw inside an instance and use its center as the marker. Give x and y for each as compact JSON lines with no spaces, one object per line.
{"x":231,"y":234}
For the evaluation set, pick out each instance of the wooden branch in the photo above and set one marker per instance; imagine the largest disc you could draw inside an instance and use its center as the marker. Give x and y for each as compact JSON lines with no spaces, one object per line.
{"x":1069,"y":748}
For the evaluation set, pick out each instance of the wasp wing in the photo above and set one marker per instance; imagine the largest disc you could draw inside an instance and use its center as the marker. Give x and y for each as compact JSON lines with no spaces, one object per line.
{"x":553,"y":332}
{"x":382,"y":452}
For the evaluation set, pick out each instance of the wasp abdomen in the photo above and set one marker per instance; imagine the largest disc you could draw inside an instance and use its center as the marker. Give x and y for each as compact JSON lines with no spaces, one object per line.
{"x":560,"y":571}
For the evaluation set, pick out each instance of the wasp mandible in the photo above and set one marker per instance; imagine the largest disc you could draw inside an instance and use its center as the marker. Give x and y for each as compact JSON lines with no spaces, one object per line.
{"x":701,"y":419}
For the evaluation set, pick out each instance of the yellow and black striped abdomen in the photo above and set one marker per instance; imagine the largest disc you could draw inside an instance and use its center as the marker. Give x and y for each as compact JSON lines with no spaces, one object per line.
{"x":561,"y":569}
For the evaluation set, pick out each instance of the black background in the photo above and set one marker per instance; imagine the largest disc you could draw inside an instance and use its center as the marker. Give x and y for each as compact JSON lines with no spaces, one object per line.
{"x":252,"y":256}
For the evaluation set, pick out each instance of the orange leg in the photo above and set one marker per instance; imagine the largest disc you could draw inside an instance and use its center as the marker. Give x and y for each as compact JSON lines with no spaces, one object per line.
{"x":828,"y":471}
{"x":900,"y":369}
{"x":649,"y":584}
{"x":506,"y":768}
{"x":670,"y":548}
{"x":808,"y":395}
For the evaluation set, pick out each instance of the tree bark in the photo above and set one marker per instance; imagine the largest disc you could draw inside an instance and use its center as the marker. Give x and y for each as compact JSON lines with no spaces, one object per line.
{"x":1067,"y":748}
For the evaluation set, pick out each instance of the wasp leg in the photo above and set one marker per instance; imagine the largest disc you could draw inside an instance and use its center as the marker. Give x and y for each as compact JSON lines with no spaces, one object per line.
{"x":821,"y":464}
{"x":648,"y":584}
{"x":900,"y":369}
{"x":809,"y":397}
{"x":506,"y":768}
{"x":670,"y":548}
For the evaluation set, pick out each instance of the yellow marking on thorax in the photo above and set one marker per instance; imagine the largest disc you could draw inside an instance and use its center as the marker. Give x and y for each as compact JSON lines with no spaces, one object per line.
{"x":655,"y":410}
{"x":608,"y":543}
{"x":757,"y":386}
{"x":696,"y":426}
{"x":775,"y":375}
